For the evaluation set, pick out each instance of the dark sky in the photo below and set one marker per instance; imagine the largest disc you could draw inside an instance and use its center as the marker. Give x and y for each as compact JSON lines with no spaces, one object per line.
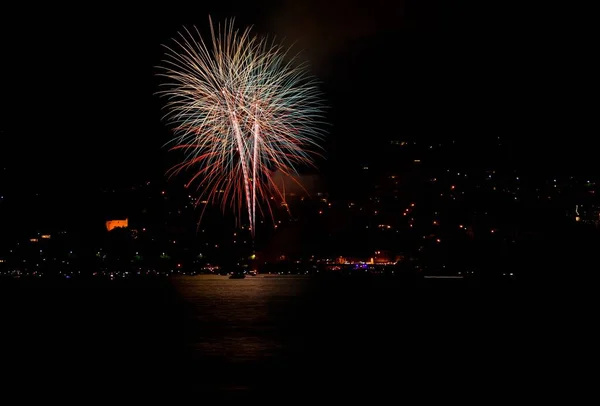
{"x":78,"y":83}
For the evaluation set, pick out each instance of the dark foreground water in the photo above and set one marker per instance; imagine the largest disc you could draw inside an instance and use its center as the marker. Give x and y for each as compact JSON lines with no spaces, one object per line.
{"x":263,"y":338}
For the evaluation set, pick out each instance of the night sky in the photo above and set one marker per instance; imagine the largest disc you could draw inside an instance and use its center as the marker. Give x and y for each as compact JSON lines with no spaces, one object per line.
{"x":79,"y":108}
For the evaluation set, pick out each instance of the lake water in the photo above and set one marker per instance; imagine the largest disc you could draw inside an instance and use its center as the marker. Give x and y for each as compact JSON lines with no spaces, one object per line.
{"x":255,"y":338}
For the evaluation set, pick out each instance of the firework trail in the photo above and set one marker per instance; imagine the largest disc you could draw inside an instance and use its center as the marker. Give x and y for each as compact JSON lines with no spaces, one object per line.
{"x":240,"y":109}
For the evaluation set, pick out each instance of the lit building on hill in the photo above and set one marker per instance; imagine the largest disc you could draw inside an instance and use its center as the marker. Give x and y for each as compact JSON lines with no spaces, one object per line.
{"x":112,"y":224}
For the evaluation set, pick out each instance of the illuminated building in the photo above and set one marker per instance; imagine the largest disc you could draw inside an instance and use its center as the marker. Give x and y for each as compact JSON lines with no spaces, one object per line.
{"x":112,"y":224}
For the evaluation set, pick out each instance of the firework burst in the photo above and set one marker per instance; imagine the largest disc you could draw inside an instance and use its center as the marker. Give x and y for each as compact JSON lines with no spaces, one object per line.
{"x":240,"y":108}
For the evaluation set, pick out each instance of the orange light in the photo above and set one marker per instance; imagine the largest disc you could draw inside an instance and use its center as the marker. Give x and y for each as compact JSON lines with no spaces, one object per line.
{"x":112,"y":224}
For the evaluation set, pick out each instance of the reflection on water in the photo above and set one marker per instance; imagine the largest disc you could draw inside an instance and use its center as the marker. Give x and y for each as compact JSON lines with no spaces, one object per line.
{"x":244,"y":334}
{"x":240,"y":320}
